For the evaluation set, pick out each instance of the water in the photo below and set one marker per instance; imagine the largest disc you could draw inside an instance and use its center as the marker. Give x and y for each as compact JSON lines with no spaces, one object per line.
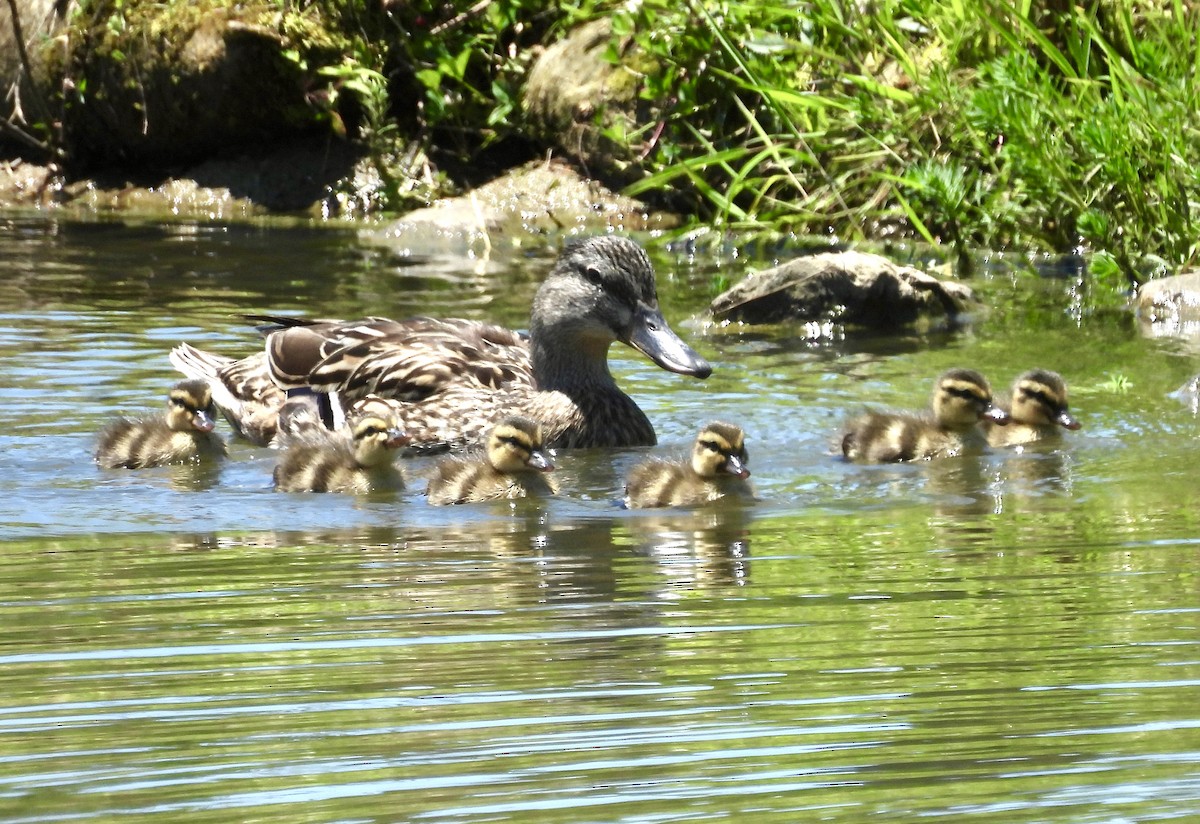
{"x":1005,"y":638}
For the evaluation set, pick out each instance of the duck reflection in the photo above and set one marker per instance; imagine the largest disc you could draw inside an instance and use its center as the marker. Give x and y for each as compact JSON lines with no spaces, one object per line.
{"x":696,"y":548}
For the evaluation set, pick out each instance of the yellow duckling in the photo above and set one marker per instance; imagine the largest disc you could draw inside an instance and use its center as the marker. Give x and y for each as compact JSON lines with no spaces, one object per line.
{"x":184,"y":433}
{"x":358,"y":458}
{"x":962,"y":399}
{"x":1038,"y":411}
{"x":717,"y":468}
{"x":511,"y":467}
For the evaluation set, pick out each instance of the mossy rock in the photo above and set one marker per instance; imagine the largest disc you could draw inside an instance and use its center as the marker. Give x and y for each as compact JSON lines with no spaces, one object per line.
{"x":579,"y":101}
{"x":845,"y":287}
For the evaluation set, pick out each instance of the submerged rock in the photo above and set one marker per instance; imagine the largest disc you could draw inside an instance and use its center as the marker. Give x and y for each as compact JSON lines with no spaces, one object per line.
{"x":847,"y":287}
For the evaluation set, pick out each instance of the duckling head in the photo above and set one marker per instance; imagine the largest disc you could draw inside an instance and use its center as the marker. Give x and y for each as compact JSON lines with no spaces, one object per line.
{"x":190,"y":406}
{"x":1039,"y":397}
{"x":962,"y":398}
{"x":602,"y":290}
{"x":515,"y":445}
{"x":374,"y":438}
{"x":720,"y":448}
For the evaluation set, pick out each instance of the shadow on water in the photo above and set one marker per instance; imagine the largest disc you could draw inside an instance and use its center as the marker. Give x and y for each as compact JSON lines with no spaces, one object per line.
{"x":1008,"y":636}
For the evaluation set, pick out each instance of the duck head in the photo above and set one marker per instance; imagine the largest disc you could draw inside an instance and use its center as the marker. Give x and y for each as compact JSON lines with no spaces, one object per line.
{"x":963,"y":398}
{"x":515,"y":445}
{"x":190,"y":406}
{"x":720,"y":448}
{"x":1039,"y":397}
{"x":601,"y":290}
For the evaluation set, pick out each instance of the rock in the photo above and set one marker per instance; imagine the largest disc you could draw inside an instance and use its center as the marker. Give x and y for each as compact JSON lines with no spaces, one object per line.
{"x":537,"y":198}
{"x":1170,"y":306}
{"x":575,"y":98}
{"x":846,"y":287}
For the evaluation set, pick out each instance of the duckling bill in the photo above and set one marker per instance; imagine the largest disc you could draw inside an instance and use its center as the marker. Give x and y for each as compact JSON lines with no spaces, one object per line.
{"x":183,"y":434}
{"x":717,"y":467}
{"x":513,"y":466}
{"x":962,"y":399}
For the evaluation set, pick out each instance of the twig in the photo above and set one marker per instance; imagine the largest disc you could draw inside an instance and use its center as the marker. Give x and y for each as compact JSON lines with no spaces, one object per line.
{"x":453,"y":22}
{"x":39,"y":101}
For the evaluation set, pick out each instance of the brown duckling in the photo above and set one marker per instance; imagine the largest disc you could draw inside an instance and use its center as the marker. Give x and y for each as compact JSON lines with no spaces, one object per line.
{"x":511,"y":467}
{"x":358,"y":458}
{"x":962,"y":399}
{"x":717,"y":468}
{"x":184,"y":433}
{"x":1038,"y":411}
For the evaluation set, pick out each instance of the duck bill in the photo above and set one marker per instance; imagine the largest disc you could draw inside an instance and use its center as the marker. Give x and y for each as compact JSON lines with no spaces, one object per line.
{"x":397,"y":439}
{"x":734,"y":466}
{"x":203,"y":422}
{"x":539,"y":461}
{"x":996,"y":415}
{"x":653,"y":338}
{"x":1067,"y":421}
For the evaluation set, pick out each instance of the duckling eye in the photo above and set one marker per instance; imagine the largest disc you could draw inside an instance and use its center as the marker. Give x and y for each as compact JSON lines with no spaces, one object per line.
{"x":1041,"y":397}
{"x":965,"y":394}
{"x":711,"y":446}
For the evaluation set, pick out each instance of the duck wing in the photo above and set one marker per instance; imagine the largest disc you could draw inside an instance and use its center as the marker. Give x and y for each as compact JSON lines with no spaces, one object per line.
{"x":410,"y":360}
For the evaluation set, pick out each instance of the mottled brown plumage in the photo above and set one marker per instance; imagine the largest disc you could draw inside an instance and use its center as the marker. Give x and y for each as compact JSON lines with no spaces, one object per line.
{"x":962,"y":399}
{"x":1038,"y":411}
{"x":512,"y":466}
{"x":452,"y":380}
{"x":717,"y":468}
{"x":182,"y":434}
{"x":358,"y":459}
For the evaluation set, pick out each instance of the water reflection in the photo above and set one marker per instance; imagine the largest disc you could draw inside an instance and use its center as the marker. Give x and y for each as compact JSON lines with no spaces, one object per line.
{"x":186,"y":640}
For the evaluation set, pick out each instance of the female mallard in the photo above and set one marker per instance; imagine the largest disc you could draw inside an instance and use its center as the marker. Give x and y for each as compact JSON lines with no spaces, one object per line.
{"x":182,"y":434}
{"x":962,"y":399}
{"x":1037,"y":410}
{"x":358,"y":458}
{"x":452,"y":380}
{"x":512,"y":467}
{"x":717,"y":468}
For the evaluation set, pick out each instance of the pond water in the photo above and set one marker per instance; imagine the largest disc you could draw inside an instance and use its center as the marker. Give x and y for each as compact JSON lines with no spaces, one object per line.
{"x":1012,"y":637}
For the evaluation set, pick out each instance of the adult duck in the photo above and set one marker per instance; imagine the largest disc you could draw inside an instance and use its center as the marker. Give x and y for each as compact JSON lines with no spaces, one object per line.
{"x":452,"y":380}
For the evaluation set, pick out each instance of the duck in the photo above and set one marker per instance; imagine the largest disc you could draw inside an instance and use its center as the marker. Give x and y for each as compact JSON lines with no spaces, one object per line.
{"x":182,"y":434}
{"x":962,"y":399}
{"x":1037,"y":410}
{"x":513,"y":465}
{"x":451,"y":380}
{"x":717,"y":468}
{"x":357,"y":459}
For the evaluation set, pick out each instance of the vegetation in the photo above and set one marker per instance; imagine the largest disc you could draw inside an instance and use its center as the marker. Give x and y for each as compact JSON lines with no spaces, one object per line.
{"x":1058,"y":126}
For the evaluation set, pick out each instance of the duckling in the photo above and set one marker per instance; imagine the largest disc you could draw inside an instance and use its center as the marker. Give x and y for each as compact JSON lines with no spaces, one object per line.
{"x":511,"y":467}
{"x":358,"y":459}
{"x":962,"y":398}
{"x":184,"y":433}
{"x":1038,"y":411}
{"x":717,"y":468}
{"x":455,"y":379}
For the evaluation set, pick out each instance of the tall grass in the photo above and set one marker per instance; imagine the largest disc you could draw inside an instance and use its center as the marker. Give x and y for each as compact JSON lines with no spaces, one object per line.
{"x":984,"y":123}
